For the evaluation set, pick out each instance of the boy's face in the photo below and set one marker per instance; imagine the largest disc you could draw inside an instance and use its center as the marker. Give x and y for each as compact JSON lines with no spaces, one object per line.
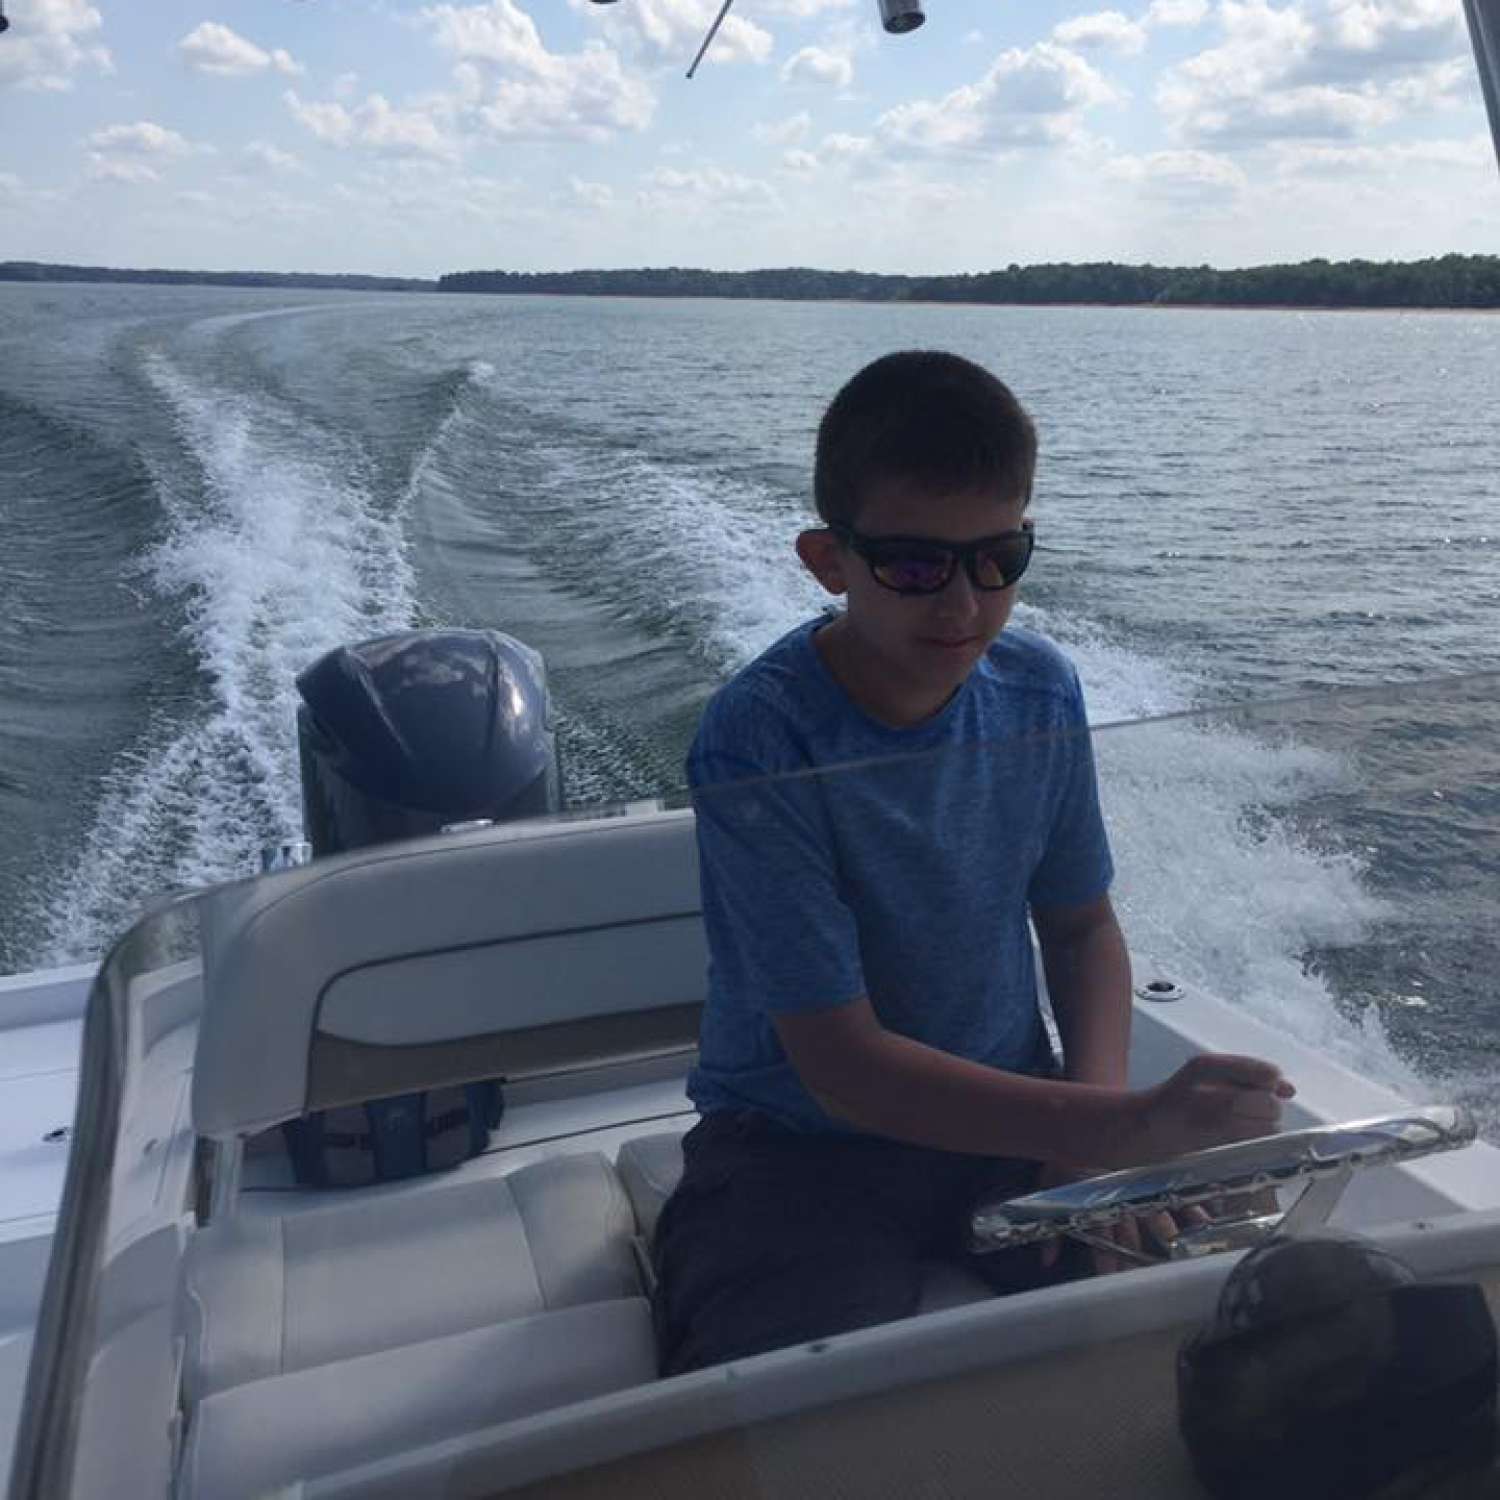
{"x":925,"y":641}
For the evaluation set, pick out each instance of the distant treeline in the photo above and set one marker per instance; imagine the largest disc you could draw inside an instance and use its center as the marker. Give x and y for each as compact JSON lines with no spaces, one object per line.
{"x":1471,"y":281}
{"x":30,"y":270}
{"x":1446,"y":281}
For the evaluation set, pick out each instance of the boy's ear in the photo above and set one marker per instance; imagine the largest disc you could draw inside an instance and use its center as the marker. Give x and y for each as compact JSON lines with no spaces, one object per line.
{"x":823,"y":557}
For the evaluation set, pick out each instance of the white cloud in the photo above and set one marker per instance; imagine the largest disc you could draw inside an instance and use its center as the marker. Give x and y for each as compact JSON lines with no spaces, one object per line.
{"x":213,"y":48}
{"x":1315,"y":70}
{"x":843,"y":147}
{"x":915,"y":200}
{"x":1392,"y":32}
{"x":499,"y":32}
{"x":700,"y":187}
{"x":376,"y":125}
{"x":1176,"y":12}
{"x":104,"y":168}
{"x":784,"y":132}
{"x":133,"y":153}
{"x":837,"y":149}
{"x":819,"y":67}
{"x":261,"y":156}
{"x":1029,"y":97}
{"x":1439,"y":85}
{"x":589,"y":103}
{"x":400,"y":132}
{"x":801,"y":10}
{"x":1194,"y":174}
{"x":595,"y":194}
{"x":1299,"y":158}
{"x":1103,"y":30}
{"x":47,"y":43}
{"x":330,"y":123}
{"x":10,"y":185}
{"x":516,"y":88}
{"x":671,"y":31}
{"x":421,"y":200}
{"x":144,"y":138}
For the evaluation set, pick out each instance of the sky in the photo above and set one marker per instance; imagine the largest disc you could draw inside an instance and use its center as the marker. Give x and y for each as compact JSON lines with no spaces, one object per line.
{"x":412,"y":139}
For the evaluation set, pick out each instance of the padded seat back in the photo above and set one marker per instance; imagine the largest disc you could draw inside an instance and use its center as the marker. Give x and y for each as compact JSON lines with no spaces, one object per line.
{"x":402,"y":967}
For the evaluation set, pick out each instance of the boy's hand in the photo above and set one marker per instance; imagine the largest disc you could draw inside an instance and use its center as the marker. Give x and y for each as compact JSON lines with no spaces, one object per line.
{"x":1212,"y":1099}
{"x":1144,"y":1232}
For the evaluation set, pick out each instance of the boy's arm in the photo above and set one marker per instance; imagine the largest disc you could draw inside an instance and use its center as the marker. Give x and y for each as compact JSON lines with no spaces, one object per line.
{"x":1088,"y":981}
{"x":893,"y":1086}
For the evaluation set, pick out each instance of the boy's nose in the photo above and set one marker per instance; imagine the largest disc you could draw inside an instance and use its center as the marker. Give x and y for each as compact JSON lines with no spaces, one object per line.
{"x":958,"y":598}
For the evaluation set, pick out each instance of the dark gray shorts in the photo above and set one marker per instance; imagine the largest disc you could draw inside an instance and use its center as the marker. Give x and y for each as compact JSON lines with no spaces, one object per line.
{"x":775,"y":1236}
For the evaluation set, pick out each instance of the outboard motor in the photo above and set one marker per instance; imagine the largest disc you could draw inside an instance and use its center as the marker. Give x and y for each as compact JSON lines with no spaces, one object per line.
{"x":402,"y":736}
{"x":406,"y":734}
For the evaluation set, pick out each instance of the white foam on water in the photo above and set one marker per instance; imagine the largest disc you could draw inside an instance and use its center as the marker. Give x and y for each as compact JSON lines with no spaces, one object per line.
{"x":276,"y":550}
{"x":1214,"y":891}
{"x":1119,"y":683}
{"x":701,"y":554}
{"x":1225,"y":896}
{"x":476,"y":376}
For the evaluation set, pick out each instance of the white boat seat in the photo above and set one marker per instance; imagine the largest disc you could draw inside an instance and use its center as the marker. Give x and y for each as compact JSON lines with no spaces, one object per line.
{"x":650,"y":1166}
{"x":402,"y":1263}
{"x":253,"y":1439}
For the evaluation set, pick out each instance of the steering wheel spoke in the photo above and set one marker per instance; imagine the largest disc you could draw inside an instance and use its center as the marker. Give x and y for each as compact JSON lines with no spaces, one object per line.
{"x":1324,"y":1159}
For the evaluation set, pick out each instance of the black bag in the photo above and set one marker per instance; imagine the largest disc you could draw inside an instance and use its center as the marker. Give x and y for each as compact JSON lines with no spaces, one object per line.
{"x":384,"y":1140}
{"x":1329,"y":1372}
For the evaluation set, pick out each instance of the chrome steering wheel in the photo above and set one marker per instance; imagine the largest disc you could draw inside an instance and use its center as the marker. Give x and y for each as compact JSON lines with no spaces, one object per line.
{"x":1325,"y":1158}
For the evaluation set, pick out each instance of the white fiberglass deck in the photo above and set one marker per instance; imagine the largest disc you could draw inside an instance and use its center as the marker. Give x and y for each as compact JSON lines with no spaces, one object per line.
{"x":41,"y":1028}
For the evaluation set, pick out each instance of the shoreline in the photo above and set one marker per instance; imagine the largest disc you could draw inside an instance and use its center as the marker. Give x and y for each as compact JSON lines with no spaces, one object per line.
{"x":209,"y":281}
{"x":1444,"y":283}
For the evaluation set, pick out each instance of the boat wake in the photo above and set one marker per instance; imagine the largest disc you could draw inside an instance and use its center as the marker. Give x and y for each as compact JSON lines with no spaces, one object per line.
{"x":274,"y":547}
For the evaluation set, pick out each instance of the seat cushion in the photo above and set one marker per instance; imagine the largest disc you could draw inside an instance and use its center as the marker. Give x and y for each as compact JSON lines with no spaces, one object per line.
{"x":650,"y":1166}
{"x":249,"y":1440}
{"x":400,"y":1264}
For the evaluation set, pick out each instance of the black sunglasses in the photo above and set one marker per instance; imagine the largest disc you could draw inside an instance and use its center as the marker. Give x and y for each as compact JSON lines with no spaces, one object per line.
{"x":924,"y":565}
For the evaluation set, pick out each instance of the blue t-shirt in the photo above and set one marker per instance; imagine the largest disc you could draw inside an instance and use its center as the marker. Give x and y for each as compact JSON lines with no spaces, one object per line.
{"x":841,"y":857}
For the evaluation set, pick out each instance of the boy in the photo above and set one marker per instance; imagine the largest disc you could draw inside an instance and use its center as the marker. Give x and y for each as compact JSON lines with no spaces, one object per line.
{"x":872,"y":1057}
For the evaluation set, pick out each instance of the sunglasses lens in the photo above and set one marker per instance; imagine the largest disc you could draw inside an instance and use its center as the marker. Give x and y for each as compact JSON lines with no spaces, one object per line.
{"x":999,"y":566}
{"x":911,"y":572}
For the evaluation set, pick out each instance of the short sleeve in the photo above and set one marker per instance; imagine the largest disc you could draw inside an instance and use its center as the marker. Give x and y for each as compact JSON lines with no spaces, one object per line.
{"x":780,"y":936}
{"x":1076,"y":866}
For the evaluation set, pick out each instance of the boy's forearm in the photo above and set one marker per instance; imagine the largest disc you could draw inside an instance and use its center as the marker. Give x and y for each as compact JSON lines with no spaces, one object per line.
{"x":1088,"y":982}
{"x":911,"y":1092}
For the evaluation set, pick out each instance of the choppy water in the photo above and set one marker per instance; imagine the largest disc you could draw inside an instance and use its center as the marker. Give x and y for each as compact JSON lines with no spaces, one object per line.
{"x":202,"y":490}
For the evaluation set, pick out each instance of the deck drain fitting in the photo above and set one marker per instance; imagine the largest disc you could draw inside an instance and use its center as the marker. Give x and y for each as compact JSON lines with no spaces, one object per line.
{"x":1159,"y":989}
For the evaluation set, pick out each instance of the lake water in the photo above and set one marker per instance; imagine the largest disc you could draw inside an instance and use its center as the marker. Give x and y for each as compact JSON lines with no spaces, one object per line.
{"x":201,"y":490}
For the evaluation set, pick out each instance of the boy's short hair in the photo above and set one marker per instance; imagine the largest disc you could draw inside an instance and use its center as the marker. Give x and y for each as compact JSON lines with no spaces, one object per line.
{"x":923,"y":417}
